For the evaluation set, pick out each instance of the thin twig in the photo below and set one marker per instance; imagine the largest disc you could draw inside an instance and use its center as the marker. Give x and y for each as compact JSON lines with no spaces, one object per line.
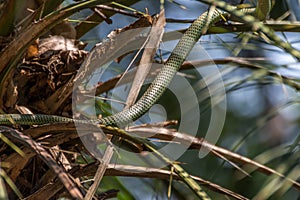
{"x":134,"y":171}
{"x":155,"y":37}
{"x":111,"y":83}
{"x":118,"y":10}
{"x":100,"y":172}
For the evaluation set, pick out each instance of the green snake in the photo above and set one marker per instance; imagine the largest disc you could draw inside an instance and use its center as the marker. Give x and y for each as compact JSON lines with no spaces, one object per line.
{"x":159,"y":85}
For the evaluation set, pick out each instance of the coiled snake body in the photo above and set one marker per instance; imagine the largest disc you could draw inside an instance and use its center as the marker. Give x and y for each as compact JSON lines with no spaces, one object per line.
{"x":159,"y":85}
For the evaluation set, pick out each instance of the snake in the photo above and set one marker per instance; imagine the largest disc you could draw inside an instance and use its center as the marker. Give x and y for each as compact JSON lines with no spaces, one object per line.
{"x":160,"y":83}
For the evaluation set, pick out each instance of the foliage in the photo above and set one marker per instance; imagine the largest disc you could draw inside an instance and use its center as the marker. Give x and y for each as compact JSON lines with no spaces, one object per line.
{"x":258,"y":68}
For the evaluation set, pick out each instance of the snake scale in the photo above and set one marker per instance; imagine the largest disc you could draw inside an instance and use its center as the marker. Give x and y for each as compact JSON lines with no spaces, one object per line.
{"x":159,"y":85}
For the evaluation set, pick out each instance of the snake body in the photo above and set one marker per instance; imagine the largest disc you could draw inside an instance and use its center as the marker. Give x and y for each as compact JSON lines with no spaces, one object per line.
{"x":156,"y":89}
